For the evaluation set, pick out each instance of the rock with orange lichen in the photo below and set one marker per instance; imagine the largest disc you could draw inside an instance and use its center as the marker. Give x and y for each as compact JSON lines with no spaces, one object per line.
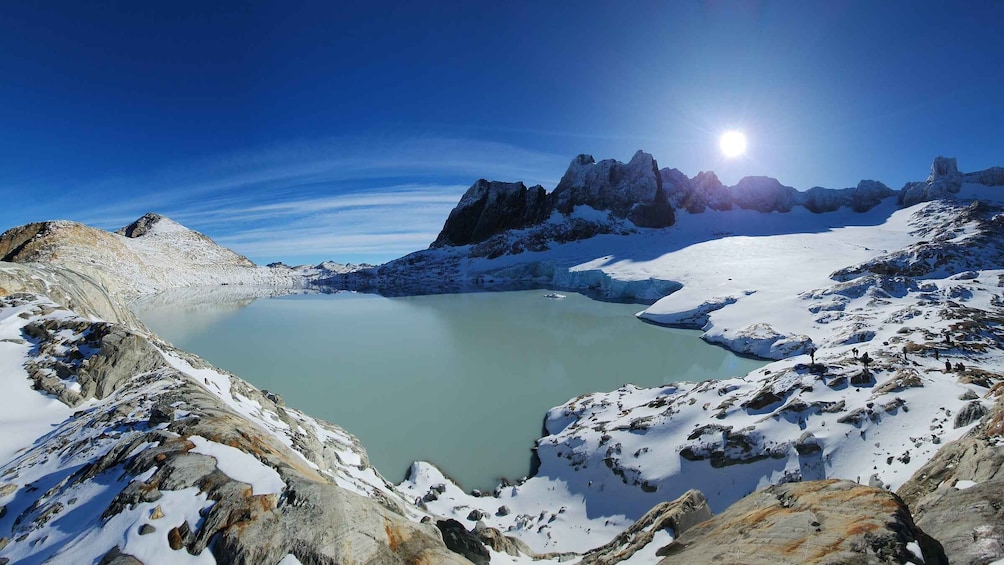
{"x":813,"y":522}
{"x":958,"y":494}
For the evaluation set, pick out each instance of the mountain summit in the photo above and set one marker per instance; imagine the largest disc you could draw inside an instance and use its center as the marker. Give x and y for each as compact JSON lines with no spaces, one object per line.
{"x":148,"y":255}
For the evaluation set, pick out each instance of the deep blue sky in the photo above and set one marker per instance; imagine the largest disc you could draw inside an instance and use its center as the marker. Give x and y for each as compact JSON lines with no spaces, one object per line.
{"x":304,"y":131}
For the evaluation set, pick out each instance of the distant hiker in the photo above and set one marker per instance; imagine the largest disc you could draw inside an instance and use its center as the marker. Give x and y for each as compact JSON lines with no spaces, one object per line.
{"x":948,"y":366}
{"x":904,"y":353}
{"x":960,"y":367}
{"x":812,"y":355}
{"x":935,"y":354}
{"x":855,"y":352}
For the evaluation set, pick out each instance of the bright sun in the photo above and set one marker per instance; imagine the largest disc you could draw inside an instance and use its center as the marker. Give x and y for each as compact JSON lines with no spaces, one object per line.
{"x":733,"y":144}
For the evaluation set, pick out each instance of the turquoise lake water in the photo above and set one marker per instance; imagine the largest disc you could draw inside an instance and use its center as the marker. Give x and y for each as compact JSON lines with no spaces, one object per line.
{"x":461,"y":380}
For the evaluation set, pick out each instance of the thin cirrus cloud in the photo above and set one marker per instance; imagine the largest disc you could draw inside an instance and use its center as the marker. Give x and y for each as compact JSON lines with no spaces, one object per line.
{"x":360,"y":199}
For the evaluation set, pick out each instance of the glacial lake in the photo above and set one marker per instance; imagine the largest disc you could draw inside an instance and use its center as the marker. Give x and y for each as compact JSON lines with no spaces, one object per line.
{"x":461,"y":380}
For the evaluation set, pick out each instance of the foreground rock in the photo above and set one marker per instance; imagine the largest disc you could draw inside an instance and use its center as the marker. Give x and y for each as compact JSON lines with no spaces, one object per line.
{"x":677,"y":516}
{"x":958,"y":495}
{"x":813,"y":522}
{"x":195,"y":459}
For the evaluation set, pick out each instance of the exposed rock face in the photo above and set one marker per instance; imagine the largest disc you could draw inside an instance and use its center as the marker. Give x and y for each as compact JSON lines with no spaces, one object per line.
{"x":958,"y":494}
{"x":630,"y":194}
{"x":994,"y":176}
{"x":763,"y":194}
{"x":463,"y":542}
{"x":699,"y":193}
{"x":488,"y":208}
{"x":633,"y":190}
{"x":865,"y":196}
{"x":679,"y":515}
{"x":76,"y":291}
{"x":944,"y":180}
{"x":812,"y":522}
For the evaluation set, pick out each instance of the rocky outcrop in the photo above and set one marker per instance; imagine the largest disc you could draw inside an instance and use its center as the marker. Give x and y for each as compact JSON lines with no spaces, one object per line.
{"x":865,"y":196}
{"x":766,"y":194}
{"x":78,"y":292}
{"x":994,"y":176}
{"x":162,"y":426}
{"x":763,"y":194}
{"x":621,"y":197}
{"x":633,"y":191}
{"x":812,"y":522}
{"x":958,"y":494}
{"x":944,"y":180}
{"x":463,"y":542}
{"x":490,"y":207}
{"x":679,"y":515}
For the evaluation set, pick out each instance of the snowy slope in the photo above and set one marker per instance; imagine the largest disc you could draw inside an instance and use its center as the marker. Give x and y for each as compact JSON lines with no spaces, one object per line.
{"x":163,"y":255}
{"x":170,"y":457}
{"x":925,"y":280}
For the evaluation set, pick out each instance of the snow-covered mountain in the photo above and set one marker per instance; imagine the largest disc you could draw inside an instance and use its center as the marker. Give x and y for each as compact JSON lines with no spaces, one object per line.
{"x":882,"y":310}
{"x":912,"y":284}
{"x":151,"y":254}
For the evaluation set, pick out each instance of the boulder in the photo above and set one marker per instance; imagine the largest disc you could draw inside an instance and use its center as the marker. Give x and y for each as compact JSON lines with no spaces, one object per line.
{"x":969,"y":413}
{"x":461,"y":541}
{"x":495,"y":539}
{"x":161,"y":413}
{"x":811,"y":522}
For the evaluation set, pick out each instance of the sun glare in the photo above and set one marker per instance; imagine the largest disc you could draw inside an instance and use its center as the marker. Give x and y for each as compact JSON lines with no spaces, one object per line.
{"x":733,"y":144}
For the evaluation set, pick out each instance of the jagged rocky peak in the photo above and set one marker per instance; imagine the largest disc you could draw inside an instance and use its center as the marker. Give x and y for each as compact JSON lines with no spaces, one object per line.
{"x":945,"y":180}
{"x":490,"y":207}
{"x":763,"y":194}
{"x":151,"y":223}
{"x":861,"y":198}
{"x":868,"y":193}
{"x":943,"y":167}
{"x":709,"y":191}
{"x":633,"y":190}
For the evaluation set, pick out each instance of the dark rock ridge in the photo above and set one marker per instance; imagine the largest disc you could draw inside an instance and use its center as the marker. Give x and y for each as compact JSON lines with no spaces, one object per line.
{"x":490,"y":207}
{"x":141,"y":226}
{"x":631,"y":191}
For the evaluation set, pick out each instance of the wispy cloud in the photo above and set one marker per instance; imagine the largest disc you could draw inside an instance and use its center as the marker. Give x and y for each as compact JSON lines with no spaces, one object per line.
{"x":345,"y":199}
